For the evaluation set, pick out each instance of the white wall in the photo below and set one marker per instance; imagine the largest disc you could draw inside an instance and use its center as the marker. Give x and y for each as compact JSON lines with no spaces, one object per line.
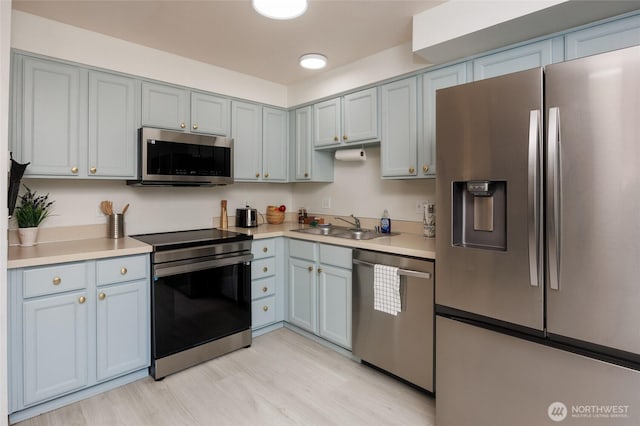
{"x":358,"y":189}
{"x":35,"y":34}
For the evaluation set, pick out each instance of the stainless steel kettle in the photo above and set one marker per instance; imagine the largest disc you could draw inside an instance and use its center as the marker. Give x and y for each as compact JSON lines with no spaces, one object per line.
{"x":246,"y":217}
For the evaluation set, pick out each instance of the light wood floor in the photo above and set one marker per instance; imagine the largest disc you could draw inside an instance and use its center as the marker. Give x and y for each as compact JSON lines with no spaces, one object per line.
{"x":282,"y":379}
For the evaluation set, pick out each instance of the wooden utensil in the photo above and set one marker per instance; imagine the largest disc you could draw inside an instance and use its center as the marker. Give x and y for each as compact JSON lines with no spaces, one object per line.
{"x":124,"y":209}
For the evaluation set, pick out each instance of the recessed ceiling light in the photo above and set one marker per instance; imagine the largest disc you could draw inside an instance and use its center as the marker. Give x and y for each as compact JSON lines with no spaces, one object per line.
{"x":280,"y":9}
{"x":313,"y":61}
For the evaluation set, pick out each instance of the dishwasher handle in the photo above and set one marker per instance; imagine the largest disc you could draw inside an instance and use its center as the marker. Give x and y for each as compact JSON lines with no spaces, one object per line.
{"x":402,"y":272}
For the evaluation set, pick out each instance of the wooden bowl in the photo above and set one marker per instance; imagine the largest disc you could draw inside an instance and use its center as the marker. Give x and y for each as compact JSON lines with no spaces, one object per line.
{"x":274,"y":216}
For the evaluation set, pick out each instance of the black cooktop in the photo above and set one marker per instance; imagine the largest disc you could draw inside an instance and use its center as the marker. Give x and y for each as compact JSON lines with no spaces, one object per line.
{"x":190,"y":238}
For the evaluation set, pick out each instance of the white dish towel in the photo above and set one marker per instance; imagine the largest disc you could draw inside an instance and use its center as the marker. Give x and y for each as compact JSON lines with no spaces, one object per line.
{"x":386,"y":289}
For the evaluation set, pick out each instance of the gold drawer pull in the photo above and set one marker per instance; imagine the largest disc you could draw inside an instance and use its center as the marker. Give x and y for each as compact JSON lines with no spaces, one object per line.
{"x":265,"y":249}
{"x":266,"y":175}
{"x":265,"y":269}
{"x":306,"y":175}
{"x":335,"y":138}
{"x":265,"y":308}
{"x":319,"y":270}
{"x":93,"y":170}
{"x":81,"y":299}
{"x":411,"y":170}
{"x":425,"y":169}
{"x":182,"y":125}
{"x":257,"y":175}
{"x":57,"y":280}
{"x":74,"y":170}
{"x":101,"y":296}
{"x":345,"y":137}
{"x":123,"y":271}
{"x":310,"y":268}
{"x":265,"y":289}
{"x":195,"y":127}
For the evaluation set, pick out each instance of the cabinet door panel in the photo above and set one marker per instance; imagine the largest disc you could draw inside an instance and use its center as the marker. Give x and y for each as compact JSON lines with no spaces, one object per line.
{"x":246,"y":130}
{"x":360,"y":116}
{"x":399,"y":141}
{"x":263,"y":312}
{"x":335,"y":304}
{"x":210,"y":114}
{"x":431,"y":82}
{"x":513,"y":60}
{"x":303,"y":148}
{"x":302,"y":294}
{"x":603,"y":38}
{"x":122,"y":329}
{"x":326,"y":123}
{"x":55,"y":339}
{"x":50,"y":117}
{"x":112,"y":125}
{"x":274,"y":145}
{"x":164,"y":106}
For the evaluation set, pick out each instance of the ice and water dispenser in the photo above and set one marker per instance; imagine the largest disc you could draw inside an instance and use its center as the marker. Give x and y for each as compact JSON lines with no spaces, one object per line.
{"x":480,"y":214}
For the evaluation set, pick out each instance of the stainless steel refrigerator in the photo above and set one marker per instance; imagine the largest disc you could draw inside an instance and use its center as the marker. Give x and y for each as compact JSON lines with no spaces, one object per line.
{"x":538,"y":246}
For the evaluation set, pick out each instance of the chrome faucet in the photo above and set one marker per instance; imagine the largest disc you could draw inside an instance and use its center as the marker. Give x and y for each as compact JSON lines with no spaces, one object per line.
{"x":356,"y":223}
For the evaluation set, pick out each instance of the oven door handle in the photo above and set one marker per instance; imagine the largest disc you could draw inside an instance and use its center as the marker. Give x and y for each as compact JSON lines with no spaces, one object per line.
{"x":165,"y":271}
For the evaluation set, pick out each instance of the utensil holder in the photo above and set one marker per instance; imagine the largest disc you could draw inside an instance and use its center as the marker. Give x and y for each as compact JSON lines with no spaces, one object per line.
{"x":115,"y":225}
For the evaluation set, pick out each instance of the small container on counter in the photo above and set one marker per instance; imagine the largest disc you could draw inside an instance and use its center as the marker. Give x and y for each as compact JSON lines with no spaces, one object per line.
{"x":385,"y":223}
{"x":429,"y":220}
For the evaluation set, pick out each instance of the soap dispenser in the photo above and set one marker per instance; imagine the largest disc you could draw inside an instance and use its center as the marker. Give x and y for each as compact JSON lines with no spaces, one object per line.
{"x":385,"y":222}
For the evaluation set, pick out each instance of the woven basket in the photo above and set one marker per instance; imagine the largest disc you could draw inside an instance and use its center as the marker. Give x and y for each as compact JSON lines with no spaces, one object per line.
{"x":274,"y":216}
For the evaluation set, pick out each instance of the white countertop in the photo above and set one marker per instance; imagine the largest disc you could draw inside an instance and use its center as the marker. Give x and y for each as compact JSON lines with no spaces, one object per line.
{"x":404,"y":244}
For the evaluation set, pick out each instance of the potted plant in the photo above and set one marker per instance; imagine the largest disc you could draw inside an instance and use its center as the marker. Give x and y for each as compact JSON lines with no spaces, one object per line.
{"x":33,"y":209}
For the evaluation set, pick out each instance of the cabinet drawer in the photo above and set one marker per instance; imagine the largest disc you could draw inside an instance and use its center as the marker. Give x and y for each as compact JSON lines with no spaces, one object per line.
{"x":263,"y":287}
{"x":263,"y":268}
{"x":336,"y":256}
{"x":54,"y":279}
{"x":119,"y":269}
{"x":302,"y":249}
{"x":263,"y":311}
{"x":263,"y":248}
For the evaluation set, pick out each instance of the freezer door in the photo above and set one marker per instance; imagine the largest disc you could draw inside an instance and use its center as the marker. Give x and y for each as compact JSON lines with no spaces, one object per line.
{"x":593,"y":211}
{"x":488,"y":195}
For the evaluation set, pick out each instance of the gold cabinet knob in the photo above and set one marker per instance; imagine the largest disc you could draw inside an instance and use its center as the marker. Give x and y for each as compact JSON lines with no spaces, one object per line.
{"x":74,"y":170}
{"x":411,"y":170}
{"x":182,"y":125}
{"x":319,"y":270}
{"x":257,"y":175}
{"x":265,"y":269}
{"x":306,"y":175}
{"x":93,"y":170}
{"x":310,"y":268}
{"x":195,"y":127}
{"x":266,"y":175}
{"x":344,"y":137}
{"x":123,"y":271}
{"x":101,"y":296}
{"x":425,"y":169}
{"x":265,"y":289}
{"x":335,"y":138}
{"x":57,"y":280}
{"x":82,"y":299}
{"x":265,"y":308}
{"x":265,"y":249}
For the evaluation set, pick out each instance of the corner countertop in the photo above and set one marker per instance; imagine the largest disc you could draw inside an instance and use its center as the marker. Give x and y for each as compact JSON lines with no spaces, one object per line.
{"x":73,"y":251}
{"x":403,"y":244}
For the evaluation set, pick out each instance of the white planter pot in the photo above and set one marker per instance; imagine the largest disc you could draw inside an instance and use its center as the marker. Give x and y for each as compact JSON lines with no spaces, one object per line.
{"x":28,"y":236}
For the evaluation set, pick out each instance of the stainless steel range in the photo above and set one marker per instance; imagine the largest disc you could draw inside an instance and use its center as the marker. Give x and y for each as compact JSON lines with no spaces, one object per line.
{"x":201,"y":296}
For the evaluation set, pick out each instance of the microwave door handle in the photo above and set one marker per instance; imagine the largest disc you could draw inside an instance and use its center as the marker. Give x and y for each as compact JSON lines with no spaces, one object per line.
{"x":553,"y":197}
{"x":533,"y":196}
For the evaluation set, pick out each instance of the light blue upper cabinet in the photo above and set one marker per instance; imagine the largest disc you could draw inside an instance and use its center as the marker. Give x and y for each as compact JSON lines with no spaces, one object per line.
{"x":210,"y":114}
{"x":431,"y":82}
{"x":326,"y":123}
{"x":113,"y":123}
{"x":521,"y":58}
{"x":399,"y":141}
{"x":275,"y":145}
{"x":164,"y":106}
{"x":360,"y":116}
{"x":308,"y":165}
{"x":246,"y":130}
{"x":50,"y":106}
{"x":603,"y":38}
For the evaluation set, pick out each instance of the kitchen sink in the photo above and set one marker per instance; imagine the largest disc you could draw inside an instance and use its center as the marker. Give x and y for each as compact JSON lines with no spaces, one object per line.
{"x":342,"y":232}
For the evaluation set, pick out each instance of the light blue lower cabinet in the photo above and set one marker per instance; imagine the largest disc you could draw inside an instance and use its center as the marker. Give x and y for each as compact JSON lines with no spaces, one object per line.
{"x":69,"y":335}
{"x":303,"y":294}
{"x":334,"y":287}
{"x":267,"y":283}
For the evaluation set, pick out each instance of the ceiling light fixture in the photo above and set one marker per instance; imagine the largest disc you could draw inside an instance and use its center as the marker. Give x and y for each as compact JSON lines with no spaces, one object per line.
{"x":280,"y":9}
{"x":313,"y":61}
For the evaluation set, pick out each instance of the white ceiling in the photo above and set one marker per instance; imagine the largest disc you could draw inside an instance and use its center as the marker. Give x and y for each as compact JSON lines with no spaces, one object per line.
{"x":229,"y":34}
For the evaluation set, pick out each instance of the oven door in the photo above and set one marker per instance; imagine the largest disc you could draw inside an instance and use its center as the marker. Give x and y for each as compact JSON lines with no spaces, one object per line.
{"x":198,"y":301}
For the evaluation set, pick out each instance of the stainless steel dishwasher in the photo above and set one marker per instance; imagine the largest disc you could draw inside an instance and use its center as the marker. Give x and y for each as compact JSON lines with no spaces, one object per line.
{"x":402,"y":344}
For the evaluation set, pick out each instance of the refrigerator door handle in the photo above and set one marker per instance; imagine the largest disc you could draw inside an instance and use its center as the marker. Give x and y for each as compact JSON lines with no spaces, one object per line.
{"x":553,"y":194}
{"x":533,"y":197}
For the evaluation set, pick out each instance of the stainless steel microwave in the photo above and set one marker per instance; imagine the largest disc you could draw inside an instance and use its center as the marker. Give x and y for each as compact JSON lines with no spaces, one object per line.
{"x":170,"y":158}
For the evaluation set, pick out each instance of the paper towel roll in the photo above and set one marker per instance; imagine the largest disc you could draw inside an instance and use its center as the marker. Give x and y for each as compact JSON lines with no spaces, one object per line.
{"x":351,"y":155}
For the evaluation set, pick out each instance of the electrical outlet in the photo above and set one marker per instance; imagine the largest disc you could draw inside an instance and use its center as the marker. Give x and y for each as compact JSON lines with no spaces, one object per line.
{"x":326,"y":203}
